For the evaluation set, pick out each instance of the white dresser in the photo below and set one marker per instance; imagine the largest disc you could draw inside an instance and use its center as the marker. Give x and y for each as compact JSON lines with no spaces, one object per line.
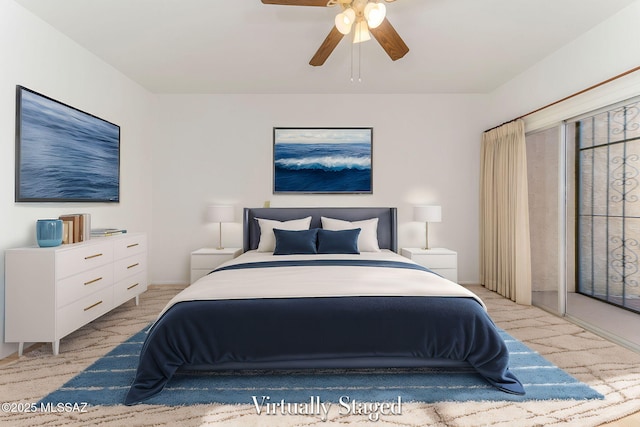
{"x":205,"y":260}
{"x":439,"y":260}
{"x":51,"y":292}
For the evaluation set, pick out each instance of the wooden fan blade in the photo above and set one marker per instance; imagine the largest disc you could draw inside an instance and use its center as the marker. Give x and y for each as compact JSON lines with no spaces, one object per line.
{"x":389,"y":39}
{"x":327,"y":46}
{"x":297,"y":2}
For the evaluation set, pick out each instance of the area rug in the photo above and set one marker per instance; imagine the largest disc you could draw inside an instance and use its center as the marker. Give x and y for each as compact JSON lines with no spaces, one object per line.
{"x":107,"y":381}
{"x":612,"y":370}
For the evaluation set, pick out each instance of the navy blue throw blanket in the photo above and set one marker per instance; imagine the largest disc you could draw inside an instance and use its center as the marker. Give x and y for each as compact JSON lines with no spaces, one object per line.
{"x":325,"y":262}
{"x":291,"y":333}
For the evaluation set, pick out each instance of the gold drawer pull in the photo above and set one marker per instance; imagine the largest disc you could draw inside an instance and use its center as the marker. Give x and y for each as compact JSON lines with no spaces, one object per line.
{"x":133,"y":245}
{"x":93,"y":305}
{"x":92,"y":256}
{"x":133,"y":265}
{"x":132,"y":286}
{"x":92,"y":281}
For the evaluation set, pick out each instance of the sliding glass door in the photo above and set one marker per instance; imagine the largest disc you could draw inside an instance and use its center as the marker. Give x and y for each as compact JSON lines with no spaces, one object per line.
{"x":584,"y":214}
{"x":546,"y":181}
{"x":608,"y":204}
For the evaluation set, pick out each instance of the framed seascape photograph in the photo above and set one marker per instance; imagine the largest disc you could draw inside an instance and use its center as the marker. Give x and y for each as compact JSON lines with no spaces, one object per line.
{"x":322,"y":160}
{"x":64,"y":154}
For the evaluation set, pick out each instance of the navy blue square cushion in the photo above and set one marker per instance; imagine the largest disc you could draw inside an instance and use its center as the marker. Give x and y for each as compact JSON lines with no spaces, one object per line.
{"x":290,"y":242}
{"x":338,"y":241}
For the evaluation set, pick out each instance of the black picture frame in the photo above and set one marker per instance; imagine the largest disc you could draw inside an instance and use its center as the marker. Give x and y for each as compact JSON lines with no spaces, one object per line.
{"x":322,"y":160}
{"x":64,"y":154}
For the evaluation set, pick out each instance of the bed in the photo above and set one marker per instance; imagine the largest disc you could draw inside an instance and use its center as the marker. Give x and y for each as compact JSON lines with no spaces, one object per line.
{"x":331,"y":278}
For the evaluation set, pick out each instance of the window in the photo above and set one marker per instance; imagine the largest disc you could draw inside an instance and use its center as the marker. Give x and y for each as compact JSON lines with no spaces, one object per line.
{"x":608,"y":204}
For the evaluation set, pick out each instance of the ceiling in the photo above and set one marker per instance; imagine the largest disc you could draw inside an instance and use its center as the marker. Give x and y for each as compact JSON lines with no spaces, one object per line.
{"x":244,"y":46}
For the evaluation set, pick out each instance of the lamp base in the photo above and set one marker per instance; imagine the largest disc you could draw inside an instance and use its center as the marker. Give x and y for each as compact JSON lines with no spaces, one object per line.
{"x":220,"y":247}
{"x":426,"y":236}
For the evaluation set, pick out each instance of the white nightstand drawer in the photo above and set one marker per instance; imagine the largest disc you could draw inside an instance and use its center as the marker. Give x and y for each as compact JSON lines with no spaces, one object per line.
{"x":205,"y":260}
{"x":437,"y":261}
{"x":209,"y":261}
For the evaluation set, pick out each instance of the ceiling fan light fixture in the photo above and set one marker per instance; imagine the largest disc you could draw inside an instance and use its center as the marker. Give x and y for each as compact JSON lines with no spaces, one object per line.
{"x":374,"y":14}
{"x":344,"y":21}
{"x":361,"y":33}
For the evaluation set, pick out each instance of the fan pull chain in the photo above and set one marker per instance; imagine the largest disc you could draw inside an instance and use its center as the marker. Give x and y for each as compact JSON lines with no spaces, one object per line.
{"x":359,"y":62}
{"x":351,"y":62}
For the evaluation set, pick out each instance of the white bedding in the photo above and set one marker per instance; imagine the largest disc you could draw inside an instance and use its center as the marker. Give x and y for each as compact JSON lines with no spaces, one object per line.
{"x":319,"y":281}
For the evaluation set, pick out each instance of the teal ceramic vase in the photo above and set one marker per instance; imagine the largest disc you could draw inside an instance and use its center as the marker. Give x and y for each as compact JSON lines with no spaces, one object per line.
{"x":49,"y":232}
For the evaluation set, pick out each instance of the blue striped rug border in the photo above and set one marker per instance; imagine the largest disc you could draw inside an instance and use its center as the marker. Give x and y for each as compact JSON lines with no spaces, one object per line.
{"x":107,"y":381}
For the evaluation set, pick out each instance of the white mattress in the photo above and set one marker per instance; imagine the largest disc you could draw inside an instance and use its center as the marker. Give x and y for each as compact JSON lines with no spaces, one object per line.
{"x":319,"y":281}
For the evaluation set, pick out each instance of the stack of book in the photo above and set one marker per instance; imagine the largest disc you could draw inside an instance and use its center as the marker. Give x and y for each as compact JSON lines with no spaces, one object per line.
{"x":101,"y":232}
{"x":76,"y":228}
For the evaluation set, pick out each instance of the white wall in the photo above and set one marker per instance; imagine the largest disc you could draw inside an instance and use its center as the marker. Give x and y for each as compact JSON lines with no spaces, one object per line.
{"x":38,"y":57}
{"x":607,"y":50}
{"x":202,"y":149}
{"x":218,"y":149}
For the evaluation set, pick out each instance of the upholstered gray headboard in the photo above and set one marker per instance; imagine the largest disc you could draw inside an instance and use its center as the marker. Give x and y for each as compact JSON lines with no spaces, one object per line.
{"x":387,"y":221}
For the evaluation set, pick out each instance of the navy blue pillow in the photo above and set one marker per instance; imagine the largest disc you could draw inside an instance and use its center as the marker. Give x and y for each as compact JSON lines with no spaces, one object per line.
{"x":290,"y":242}
{"x":338,"y":241}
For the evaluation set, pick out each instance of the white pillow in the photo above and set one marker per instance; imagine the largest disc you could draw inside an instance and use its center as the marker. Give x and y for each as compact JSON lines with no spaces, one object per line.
{"x":268,"y":239}
{"x":368,"y":238}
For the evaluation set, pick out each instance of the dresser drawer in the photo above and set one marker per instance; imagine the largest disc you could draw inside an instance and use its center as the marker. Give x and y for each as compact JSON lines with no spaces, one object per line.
{"x":129,"y":288}
{"x":83,"y":311}
{"x":51,"y":292}
{"x":83,"y":257}
{"x":130,"y":266}
{"x":130,"y":245}
{"x":83,"y":284}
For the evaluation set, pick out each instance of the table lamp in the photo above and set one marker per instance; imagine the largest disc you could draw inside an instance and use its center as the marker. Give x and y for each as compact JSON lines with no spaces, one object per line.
{"x":220,"y":214}
{"x":427,"y":214}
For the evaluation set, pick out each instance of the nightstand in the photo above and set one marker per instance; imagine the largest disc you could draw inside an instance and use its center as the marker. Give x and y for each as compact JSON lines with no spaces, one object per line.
{"x":439,"y":260}
{"x":204,"y":260}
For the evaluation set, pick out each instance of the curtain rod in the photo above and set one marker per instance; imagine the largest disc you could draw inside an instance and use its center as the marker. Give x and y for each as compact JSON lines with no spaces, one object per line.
{"x":633,"y":70}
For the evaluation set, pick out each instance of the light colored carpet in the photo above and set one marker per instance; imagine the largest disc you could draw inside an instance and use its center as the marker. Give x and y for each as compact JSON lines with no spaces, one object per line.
{"x":610,"y":369}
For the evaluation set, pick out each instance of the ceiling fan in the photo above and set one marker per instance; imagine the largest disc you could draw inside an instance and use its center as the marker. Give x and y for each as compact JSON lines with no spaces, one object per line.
{"x":364,"y":16}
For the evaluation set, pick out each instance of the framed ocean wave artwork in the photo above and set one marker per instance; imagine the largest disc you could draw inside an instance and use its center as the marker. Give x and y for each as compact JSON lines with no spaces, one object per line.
{"x":322,"y":160}
{"x":64,"y":154}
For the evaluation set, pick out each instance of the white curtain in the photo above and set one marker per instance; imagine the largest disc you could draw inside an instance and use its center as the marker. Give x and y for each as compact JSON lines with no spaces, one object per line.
{"x":505,"y":253}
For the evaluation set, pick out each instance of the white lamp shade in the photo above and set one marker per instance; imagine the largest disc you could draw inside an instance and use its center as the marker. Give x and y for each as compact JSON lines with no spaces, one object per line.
{"x":427,"y":213}
{"x":220,"y":214}
{"x":374,"y":13}
{"x":362,"y":32}
{"x":345,"y":20}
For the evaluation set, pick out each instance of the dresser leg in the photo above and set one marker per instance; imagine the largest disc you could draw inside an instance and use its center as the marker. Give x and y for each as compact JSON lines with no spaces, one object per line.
{"x":137,"y":299}
{"x":20,"y":348}
{"x":56,"y":347}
